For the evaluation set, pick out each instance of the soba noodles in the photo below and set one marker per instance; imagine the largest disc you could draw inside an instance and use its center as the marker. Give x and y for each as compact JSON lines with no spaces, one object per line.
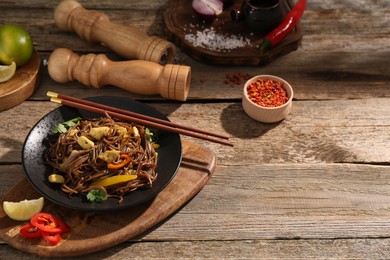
{"x":95,"y":149}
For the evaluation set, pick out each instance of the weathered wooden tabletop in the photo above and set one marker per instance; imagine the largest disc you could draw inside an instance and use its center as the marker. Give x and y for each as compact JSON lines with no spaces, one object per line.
{"x":316,"y":185}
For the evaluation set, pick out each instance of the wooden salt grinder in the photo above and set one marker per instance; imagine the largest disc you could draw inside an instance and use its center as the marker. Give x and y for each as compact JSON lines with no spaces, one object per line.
{"x":136,"y":76}
{"x":127,"y":41}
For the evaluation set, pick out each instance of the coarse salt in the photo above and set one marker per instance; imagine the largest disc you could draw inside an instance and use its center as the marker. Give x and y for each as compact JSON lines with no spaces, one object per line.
{"x":211,"y":40}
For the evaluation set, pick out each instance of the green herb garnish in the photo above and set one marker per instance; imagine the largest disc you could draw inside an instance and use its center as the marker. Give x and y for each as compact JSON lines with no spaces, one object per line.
{"x":151,"y":134}
{"x":96,"y":196}
{"x":63,"y":127}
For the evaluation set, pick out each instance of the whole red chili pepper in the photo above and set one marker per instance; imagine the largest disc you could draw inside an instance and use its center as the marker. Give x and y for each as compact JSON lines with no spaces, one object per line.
{"x":278,"y":34}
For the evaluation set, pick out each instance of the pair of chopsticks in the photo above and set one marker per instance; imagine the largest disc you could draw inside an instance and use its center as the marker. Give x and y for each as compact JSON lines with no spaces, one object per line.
{"x":137,"y":118}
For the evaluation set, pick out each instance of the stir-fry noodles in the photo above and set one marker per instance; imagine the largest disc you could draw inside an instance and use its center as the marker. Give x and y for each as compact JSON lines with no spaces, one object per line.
{"x":114,"y":157}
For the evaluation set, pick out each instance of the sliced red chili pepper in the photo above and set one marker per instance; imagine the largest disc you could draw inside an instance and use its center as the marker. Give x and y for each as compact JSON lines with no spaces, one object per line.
{"x":125,"y":160}
{"x":30,"y":231}
{"x":51,"y":238}
{"x":48,"y":223}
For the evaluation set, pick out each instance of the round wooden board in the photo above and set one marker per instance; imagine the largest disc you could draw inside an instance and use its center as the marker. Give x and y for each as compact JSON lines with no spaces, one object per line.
{"x":180,"y":20}
{"x":87,"y":235}
{"x":22,"y":84}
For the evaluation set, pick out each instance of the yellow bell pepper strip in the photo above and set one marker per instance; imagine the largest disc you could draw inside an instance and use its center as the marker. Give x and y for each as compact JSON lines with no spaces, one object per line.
{"x":109,"y":181}
{"x":125,"y":161}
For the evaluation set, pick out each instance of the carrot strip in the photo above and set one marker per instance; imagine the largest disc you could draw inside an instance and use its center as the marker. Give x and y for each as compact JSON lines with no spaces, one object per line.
{"x":125,"y":160}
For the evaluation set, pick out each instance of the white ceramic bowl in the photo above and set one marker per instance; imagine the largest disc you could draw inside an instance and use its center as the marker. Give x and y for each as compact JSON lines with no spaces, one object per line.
{"x":267,"y":114}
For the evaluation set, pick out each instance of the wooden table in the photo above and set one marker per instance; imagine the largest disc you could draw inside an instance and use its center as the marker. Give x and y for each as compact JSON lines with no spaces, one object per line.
{"x":316,"y":185}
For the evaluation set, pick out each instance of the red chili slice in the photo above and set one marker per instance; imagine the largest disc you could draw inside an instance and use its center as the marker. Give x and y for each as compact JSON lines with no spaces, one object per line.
{"x":51,"y":238}
{"x":30,"y":231}
{"x":49,"y":223}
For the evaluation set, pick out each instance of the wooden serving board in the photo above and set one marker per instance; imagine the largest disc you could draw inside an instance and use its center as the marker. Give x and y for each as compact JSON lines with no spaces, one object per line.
{"x":180,"y":20}
{"x":91,"y":232}
{"x":22,"y":85}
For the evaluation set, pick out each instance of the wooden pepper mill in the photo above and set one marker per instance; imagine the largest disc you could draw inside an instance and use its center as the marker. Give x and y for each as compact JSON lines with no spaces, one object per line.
{"x":136,"y":76}
{"x":127,"y":41}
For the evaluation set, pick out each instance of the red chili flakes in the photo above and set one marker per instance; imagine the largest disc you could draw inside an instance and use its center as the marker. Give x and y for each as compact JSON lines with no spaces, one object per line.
{"x":267,"y":93}
{"x":236,"y":79}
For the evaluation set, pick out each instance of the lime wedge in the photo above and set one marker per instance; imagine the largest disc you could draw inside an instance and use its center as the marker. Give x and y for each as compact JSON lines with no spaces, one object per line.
{"x":23,"y":210}
{"x":7,"y":72}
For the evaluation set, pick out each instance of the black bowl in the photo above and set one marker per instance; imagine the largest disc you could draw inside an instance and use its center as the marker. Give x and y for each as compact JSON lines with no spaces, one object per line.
{"x":37,"y":171}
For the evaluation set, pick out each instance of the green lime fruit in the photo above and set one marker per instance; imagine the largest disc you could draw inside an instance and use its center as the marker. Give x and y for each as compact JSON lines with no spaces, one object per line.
{"x":15,"y":45}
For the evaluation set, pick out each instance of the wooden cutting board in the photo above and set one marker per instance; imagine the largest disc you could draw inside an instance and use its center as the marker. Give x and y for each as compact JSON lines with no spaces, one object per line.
{"x":22,"y":85}
{"x":87,"y":235}
{"x":180,"y":20}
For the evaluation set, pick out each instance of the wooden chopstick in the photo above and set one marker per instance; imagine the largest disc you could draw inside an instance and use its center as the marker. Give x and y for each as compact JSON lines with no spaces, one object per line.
{"x":129,"y":113}
{"x":137,"y":118}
